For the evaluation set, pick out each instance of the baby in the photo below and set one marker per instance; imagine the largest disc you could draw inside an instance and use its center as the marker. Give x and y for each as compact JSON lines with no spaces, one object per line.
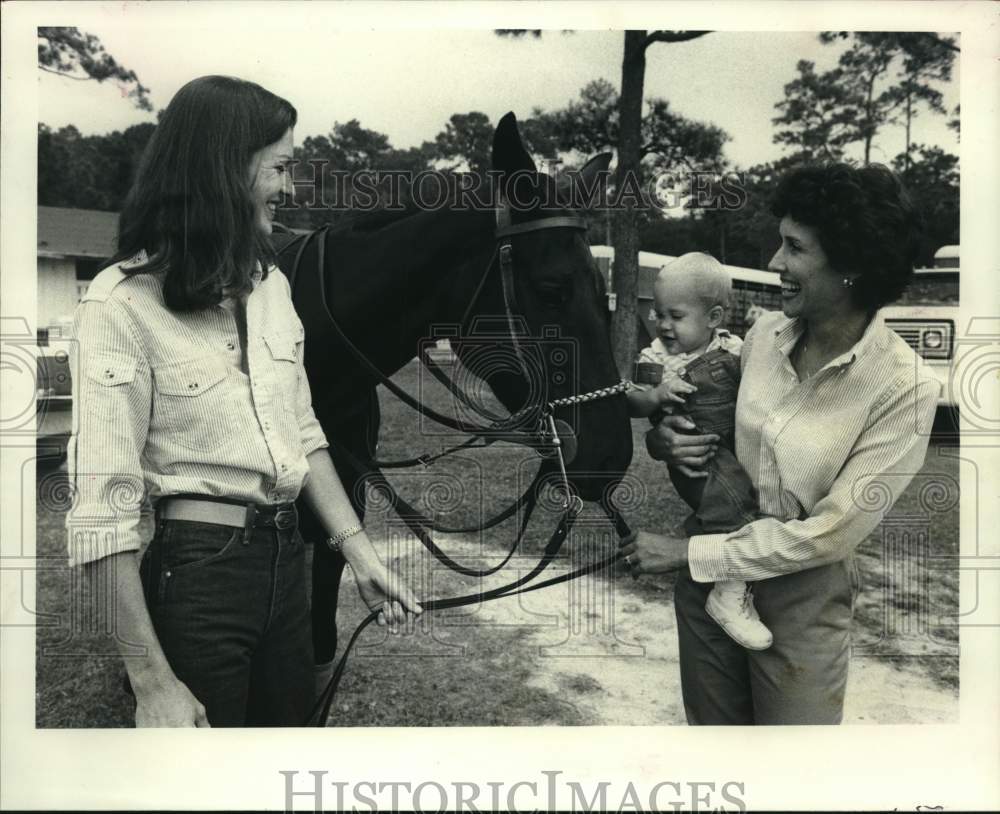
{"x":694,"y":364}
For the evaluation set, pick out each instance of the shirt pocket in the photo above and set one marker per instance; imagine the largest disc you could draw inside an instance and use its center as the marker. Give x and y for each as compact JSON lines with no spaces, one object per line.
{"x":107,"y":378}
{"x":284,"y":349}
{"x":111,"y":370}
{"x":192,"y":404}
{"x":283,"y":345}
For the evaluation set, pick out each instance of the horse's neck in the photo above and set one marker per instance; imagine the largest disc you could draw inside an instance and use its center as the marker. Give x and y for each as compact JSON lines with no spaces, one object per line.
{"x":410,"y":277}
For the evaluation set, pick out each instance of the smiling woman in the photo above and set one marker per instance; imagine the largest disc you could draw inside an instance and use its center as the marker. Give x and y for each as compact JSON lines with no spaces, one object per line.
{"x":198,"y":203}
{"x":272,"y":180}
{"x":190,"y":394}
{"x":832,"y":405}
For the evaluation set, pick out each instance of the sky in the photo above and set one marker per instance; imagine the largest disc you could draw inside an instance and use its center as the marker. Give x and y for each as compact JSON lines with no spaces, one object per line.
{"x":407,"y":83}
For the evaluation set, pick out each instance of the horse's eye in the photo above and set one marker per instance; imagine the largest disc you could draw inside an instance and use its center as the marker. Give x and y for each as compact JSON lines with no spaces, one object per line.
{"x":553,"y":296}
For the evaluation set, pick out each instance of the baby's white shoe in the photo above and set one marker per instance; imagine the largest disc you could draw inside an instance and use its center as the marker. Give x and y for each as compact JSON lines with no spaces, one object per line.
{"x":731,"y":605}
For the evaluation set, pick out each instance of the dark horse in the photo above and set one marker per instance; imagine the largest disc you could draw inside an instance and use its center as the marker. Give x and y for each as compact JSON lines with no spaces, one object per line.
{"x":388,"y":278}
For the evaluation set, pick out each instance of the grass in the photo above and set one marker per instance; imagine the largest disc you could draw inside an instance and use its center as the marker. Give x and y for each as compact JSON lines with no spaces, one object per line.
{"x":465,"y":673}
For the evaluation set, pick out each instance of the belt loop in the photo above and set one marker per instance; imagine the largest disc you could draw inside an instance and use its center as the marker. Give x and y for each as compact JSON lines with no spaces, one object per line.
{"x":251,"y":518}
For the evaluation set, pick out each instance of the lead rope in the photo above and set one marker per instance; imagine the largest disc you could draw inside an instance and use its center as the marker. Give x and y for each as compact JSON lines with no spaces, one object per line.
{"x":419,"y":524}
{"x":320,"y":712}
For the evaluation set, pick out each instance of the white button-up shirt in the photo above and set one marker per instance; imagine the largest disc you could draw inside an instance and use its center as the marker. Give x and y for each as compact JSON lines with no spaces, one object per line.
{"x":164,"y":403}
{"x":836,"y":449}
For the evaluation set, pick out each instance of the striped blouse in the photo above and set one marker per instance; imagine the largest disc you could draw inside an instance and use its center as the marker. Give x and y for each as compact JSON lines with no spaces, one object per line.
{"x":829,"y":455}
{"x":165,"y":403}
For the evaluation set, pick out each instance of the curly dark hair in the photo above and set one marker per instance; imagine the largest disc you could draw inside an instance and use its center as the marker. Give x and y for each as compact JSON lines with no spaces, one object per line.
{"x":865,"y":221}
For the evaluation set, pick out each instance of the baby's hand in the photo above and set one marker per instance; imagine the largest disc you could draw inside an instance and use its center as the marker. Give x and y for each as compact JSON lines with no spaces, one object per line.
{"x":673,"y":390}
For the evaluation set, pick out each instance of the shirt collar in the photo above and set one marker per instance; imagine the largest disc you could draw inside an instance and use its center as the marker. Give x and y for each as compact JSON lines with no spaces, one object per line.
{"x":255,"y":279}
{"x":135,"y":260}
{"x":787,"y":334}
{"x":719,"y":338}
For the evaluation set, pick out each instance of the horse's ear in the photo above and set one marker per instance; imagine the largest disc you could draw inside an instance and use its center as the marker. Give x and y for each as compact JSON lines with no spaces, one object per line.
{"x":509,"y":154}
{"x":591,"y":170}
{"x":580,"y":187}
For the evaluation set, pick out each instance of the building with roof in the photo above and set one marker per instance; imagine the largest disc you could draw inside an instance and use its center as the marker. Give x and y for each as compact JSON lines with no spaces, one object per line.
{"x":72,"y":247}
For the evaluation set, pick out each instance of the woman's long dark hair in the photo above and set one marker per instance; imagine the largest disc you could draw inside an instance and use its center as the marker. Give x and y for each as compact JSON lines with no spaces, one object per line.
{"x":191,"y":206}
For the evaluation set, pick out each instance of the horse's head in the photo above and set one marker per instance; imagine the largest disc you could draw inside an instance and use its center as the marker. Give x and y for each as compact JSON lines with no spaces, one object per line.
{"x":554,"y":300}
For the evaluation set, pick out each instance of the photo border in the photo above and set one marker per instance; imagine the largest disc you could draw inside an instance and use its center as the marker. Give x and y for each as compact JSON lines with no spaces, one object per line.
{"x":826,"y":768}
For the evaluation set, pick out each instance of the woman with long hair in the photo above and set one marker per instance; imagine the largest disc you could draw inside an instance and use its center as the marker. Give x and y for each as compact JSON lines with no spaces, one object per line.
{"x":190,"y":396}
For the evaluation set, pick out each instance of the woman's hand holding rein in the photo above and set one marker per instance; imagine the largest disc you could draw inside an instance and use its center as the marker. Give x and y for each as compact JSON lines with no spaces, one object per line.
{"x":647,"y":553}
{"x":380,"y":588}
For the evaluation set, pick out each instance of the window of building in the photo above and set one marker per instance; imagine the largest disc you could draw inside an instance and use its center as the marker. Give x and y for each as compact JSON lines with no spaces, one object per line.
{"x":87,"y":267}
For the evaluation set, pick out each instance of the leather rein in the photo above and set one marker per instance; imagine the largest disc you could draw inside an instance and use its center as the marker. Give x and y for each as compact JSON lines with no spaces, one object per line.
{"x":534,"y":425}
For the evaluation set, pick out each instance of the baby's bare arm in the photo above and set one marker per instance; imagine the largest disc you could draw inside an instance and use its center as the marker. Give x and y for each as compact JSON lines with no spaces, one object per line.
{"x":642,"y":403}
{"x":672,"y":390}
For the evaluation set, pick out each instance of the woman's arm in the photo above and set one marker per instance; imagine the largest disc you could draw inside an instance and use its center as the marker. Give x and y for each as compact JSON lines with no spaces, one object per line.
{"x":325,"y":495}
{"x":647,"y":553}
{"x":884,"y":459}
{"x":161,"y":699}
{"x":111,"y":406}
{"x":112,"y":398}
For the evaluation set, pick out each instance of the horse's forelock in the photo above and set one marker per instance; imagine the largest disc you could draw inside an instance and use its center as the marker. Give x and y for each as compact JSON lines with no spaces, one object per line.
{"x":550,"y":197}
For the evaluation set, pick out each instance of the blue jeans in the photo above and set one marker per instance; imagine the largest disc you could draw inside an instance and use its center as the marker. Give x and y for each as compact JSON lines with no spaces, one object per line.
{"x":726,"y":500}
{"x":231,"y":615}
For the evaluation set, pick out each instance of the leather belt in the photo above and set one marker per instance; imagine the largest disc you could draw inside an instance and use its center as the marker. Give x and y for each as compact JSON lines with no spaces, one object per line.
{"x":239,"y":515}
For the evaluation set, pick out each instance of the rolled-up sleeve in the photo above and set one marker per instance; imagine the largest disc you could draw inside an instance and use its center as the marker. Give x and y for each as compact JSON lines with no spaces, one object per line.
{"x":111,"y":409}
{"x":887,"y":454}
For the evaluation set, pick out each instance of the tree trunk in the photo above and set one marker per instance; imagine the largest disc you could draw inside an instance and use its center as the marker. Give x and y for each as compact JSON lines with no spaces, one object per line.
{"x":906,"y":155}
{"x":624,"y":322}
{"x":870,"y":121}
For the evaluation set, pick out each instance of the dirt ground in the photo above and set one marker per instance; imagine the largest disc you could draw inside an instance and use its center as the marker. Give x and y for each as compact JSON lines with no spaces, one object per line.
{"x":607,"y":649}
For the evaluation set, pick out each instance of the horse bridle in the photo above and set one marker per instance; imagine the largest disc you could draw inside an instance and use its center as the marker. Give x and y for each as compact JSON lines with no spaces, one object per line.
{"x":545,"y":433}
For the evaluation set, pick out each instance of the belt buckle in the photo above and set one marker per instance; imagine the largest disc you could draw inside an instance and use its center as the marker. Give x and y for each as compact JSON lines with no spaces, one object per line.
{"x":284,"y":518}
